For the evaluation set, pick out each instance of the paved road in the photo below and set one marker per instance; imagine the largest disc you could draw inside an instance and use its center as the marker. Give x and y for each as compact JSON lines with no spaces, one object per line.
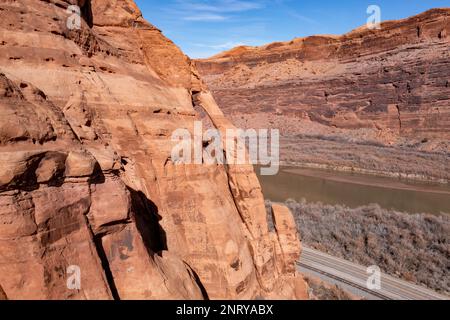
{"x":350,"y":274}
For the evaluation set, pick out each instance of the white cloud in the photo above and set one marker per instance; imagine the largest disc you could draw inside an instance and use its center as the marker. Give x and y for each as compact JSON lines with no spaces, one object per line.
{"x":221,"y":6}
{"x":302,"y":18}
{"x":205,"y":17}
{"x":214,"y":10}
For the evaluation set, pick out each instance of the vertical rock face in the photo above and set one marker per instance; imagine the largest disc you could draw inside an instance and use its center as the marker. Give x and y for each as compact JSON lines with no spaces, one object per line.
{"x":394,"y":79}
{"x":87,"y":183}
{"x":287,"y":236}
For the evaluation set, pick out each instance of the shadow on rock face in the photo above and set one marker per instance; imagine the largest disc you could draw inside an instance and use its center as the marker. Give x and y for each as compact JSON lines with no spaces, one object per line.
{"x":98,"y":177}
{"x":147,"y":222}
{"x":86,"y":12}
{"x":3,"y":294}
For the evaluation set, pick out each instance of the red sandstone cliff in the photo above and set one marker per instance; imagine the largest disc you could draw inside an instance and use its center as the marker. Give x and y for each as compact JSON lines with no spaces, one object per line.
{"x":86,"y":177}
{"x":395,"y":79}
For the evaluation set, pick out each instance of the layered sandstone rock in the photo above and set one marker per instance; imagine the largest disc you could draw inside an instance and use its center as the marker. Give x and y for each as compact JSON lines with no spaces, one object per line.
{"x":394,"y":80}
{"x":290,"y":249}
{"x":86,"y":177}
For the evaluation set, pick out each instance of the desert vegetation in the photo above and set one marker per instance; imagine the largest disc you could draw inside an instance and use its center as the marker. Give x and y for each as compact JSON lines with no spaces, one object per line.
{"x":414,"y":247}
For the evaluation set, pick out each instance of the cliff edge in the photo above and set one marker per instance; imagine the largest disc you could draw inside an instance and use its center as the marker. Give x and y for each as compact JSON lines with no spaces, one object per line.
{"x":91,"y":204}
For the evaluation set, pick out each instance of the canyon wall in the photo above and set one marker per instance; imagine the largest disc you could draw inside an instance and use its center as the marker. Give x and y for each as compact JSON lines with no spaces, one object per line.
{"x":394,"y":80}
{"x":87,"y":183}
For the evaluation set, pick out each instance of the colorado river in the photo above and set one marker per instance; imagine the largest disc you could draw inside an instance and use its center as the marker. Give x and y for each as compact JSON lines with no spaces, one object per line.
{"x":355,"y":190}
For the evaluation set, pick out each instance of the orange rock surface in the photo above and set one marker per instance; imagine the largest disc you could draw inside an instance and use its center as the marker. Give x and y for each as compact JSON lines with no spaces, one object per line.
{"x":86,"y":176}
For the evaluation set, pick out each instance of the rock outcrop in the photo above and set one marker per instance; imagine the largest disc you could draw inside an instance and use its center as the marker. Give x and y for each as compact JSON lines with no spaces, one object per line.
{"x":88,"y":189}
{"x":394,"y":80}
{"x":290,"y":249}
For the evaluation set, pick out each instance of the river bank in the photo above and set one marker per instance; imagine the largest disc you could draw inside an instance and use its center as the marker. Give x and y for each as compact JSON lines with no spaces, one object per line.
{"x":398,"y":162}
{"x":411,"y":177}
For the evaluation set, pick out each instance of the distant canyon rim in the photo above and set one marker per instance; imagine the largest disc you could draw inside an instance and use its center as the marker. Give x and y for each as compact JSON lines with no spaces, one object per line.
{"x":370,"y":101}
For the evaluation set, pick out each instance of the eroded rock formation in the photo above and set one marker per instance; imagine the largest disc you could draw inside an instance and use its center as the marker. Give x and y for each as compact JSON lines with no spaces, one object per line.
{"x":86,"y":175}
{"x":394,"y":80}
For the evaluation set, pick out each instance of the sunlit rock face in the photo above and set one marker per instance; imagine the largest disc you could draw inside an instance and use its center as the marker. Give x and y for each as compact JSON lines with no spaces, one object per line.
{"x":87,"y":183}
{"x":394,"y":80}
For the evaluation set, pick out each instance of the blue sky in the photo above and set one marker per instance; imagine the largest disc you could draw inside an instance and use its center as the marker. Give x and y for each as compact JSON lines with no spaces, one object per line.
{"x":202,"y":28}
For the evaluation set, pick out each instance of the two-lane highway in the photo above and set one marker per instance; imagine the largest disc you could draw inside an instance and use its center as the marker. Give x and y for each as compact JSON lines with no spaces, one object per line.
{"x":348,"y":274}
